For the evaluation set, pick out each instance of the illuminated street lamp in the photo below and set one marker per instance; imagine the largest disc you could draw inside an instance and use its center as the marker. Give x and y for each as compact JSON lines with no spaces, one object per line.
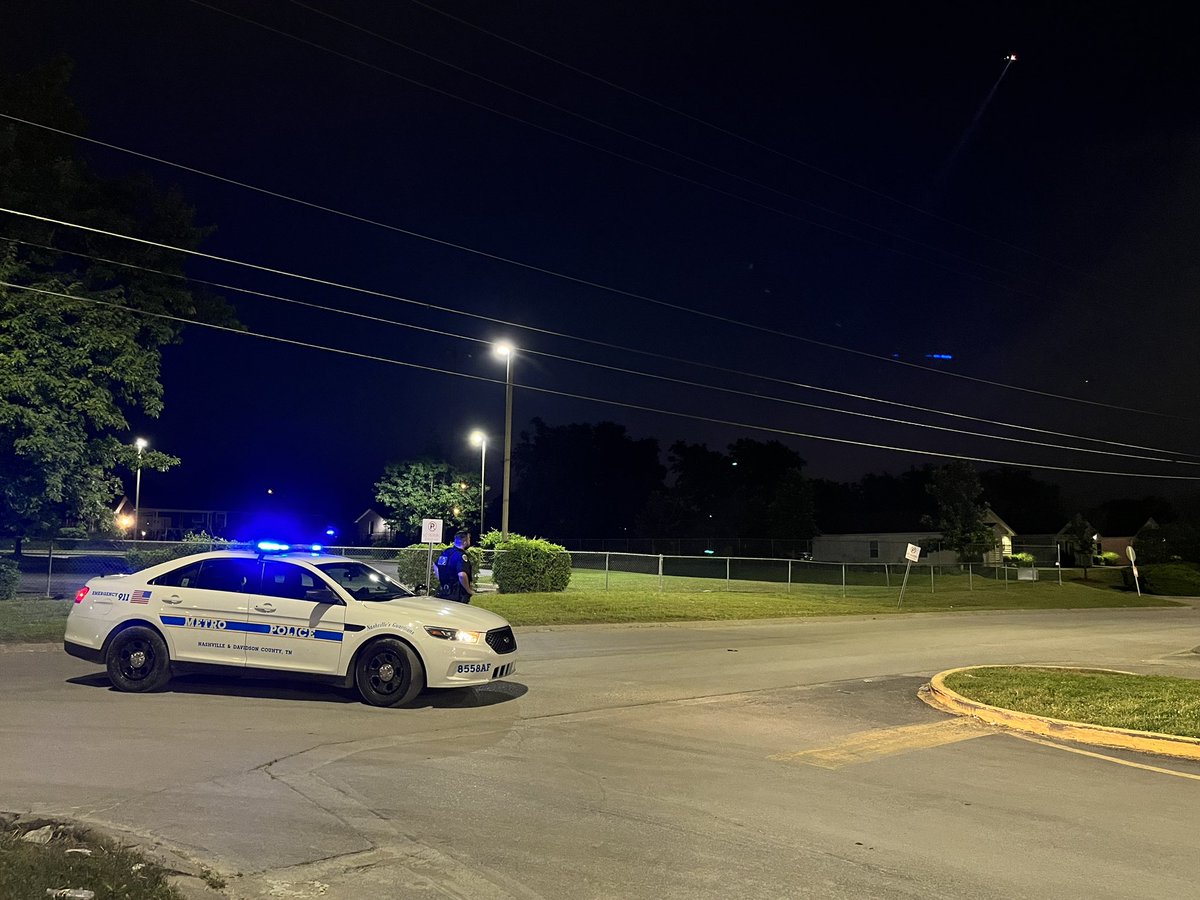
{"x":506,"y":351}
{"x":479,"y":439}
{"x":141,"y":444}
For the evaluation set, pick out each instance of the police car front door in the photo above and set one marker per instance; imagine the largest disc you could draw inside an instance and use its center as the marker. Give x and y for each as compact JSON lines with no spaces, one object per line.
{"x":296,"y":621}
{"x":203,"y":609}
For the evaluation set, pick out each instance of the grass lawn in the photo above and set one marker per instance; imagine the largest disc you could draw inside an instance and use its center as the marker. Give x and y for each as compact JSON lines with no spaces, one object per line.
{"x":1141,"y":702}
{"x":634,"y":597}
{"x":31,"y":869}
{"x":32,"y":621}
{"x":684,"y":599}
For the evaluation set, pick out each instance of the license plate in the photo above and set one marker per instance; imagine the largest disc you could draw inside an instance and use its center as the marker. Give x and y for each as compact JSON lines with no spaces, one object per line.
{"x":473,"y":668}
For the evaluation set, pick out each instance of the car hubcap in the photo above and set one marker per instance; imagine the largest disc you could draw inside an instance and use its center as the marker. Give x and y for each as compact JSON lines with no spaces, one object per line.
{"x":136,"y":661}
{"x":387,"y":672}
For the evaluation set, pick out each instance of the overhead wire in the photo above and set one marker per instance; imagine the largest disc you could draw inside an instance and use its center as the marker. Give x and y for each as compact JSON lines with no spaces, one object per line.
{"x":753,"y":143}
{"x":584,"y":397}
{"x":604,"y":366}
{"x":664,"y":149}
{"x":582,"y":281}
{"x":1174,"y":455}
{"x":606,"y":150}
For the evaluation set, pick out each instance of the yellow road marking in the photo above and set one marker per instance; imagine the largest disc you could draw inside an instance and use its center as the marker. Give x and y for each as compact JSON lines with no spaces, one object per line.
{"x":1114,"y":759}
{"x":871,"y":745}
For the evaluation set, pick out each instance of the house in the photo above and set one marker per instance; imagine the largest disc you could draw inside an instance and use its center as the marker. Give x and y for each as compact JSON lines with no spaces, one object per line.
{"x":1119,"y":535}
{"x":163,"y":524}
{"x":372,"y":528}
{"x":889,"y":547}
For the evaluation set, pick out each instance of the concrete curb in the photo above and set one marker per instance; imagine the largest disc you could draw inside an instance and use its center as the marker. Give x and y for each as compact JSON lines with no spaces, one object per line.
{"x":937,"y":695}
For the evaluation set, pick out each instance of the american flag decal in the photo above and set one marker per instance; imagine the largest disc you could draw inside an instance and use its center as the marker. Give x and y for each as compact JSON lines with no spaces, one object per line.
{"x":139,"y":597}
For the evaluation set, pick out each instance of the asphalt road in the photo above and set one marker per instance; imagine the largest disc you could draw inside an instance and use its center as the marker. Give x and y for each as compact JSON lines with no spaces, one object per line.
{"x":757,"y":760}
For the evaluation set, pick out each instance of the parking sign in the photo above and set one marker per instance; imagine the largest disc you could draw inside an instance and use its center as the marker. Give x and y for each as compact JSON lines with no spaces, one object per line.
{"x":431,"y":531}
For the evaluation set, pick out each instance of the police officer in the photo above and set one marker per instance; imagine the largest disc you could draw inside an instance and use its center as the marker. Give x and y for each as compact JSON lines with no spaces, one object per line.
{"x":454,"y":570}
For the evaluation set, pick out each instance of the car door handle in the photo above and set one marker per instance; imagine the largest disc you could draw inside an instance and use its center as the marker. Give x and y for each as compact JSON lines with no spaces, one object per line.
{"x":172,"y":600}
{"x":265,"y":607}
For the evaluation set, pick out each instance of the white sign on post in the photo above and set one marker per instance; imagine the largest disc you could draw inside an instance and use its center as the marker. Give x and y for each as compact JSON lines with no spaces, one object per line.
{"x":431,"y":531}
{"x":1132,"y":554}
{"x":913,"y":553}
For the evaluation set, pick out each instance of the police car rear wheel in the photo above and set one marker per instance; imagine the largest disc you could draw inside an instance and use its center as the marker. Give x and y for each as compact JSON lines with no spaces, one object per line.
{"x":138,"y":661}
{"x":389,"y":673}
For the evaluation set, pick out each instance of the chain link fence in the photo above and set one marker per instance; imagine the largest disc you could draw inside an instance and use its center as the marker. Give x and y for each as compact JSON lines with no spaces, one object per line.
{"x":60,"y":568}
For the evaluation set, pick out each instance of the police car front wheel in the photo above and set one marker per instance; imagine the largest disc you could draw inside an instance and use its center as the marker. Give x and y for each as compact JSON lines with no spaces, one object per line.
{"x":388,"y":673}
{"x":138,"y":661}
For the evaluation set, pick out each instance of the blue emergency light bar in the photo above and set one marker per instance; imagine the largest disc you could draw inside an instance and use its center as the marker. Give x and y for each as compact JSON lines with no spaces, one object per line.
{"x":277,"y":547}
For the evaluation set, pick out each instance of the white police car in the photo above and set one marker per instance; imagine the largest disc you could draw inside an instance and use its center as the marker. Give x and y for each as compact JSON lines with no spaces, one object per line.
{"x":287,"y":611}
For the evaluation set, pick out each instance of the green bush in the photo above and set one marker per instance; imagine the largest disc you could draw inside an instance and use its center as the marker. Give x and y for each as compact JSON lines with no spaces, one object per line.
{"x":1021,"y":559}
{"x":412,"y":566}
{"x":143,"y":557}
{"x":413,"y":560}
{"x":1110,"y":557}
{"x":529,"y":565}
{"x":1165,"y":579}
{"x":491,"y":540}
{"x":10,"y":575}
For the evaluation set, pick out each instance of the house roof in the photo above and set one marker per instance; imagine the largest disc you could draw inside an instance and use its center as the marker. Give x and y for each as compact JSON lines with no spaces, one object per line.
{"x":369,"y":512}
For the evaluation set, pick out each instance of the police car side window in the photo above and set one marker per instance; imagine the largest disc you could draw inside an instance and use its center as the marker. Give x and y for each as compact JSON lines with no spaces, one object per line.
{"x":282,"y":579}
{"x":184,"y":576}
{"x":236,"y":575}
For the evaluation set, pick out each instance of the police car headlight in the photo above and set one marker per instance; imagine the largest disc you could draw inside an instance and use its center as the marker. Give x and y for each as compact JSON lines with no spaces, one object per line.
{"x":455,"y":634}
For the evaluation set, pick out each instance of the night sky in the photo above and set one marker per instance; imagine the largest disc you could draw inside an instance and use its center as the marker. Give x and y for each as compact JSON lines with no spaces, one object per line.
{"x":839,"y":193}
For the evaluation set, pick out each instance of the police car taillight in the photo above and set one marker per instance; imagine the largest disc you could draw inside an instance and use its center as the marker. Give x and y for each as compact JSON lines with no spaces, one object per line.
{"x":81,"y":593}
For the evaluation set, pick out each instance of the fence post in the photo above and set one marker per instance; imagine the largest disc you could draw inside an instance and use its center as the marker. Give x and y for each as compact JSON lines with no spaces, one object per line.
{"x":49,"y":567}
{"x":727,"y":573}
{"x":789,"y":587}
{"x":843,"y":579}
{"x":932,"y":589}
{"x":660,"y":575}
{"x":971,"y":576}
{"x":887,"y":575}
{"x":606,"y":556}
{"x":1006,"y":578}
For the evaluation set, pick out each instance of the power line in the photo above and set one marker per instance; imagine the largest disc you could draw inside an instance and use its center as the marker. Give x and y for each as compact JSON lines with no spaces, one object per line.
{"x":622,"y":156}
{"x":691,"y":159}
{"x":583,"y":281}
{"x":607,"y":367}
{"x":477,"y":316}
{"x":602,"y":400}
{"x":753,"y":143}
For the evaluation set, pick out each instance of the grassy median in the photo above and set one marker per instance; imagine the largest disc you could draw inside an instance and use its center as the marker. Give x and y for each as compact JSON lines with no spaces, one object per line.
{"x":1140,"y":702}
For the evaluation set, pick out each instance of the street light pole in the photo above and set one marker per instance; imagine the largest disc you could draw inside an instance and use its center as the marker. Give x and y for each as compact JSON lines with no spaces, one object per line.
{"x":507,"y":351}
{"x":478,"y":437}
{"x":141,"y":444}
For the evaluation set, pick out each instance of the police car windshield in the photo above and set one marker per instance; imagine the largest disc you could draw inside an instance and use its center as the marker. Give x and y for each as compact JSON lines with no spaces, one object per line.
{"x":364,"y":583}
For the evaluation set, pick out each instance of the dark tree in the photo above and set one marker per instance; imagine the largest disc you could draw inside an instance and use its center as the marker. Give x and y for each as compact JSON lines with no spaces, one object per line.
{"x":581,"y":480}
{"x":956,"y":491}
{"x":756,"y":489}
{"x":1024,"y":502}
{"x":78,"y":354}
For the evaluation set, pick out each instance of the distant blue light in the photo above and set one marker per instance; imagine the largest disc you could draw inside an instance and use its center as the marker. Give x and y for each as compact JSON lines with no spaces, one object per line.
{"x":709,"y":552}
{"x":330,"y":532}
{"x":939,"y":356}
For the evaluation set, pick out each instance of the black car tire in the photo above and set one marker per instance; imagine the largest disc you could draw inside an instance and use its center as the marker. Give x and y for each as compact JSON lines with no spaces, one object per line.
{"x":388,"y":673}
{"x":138,"y":660}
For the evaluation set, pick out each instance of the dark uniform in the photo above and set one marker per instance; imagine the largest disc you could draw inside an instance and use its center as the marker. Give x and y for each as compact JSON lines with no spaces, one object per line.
{"x":452,"y":561}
